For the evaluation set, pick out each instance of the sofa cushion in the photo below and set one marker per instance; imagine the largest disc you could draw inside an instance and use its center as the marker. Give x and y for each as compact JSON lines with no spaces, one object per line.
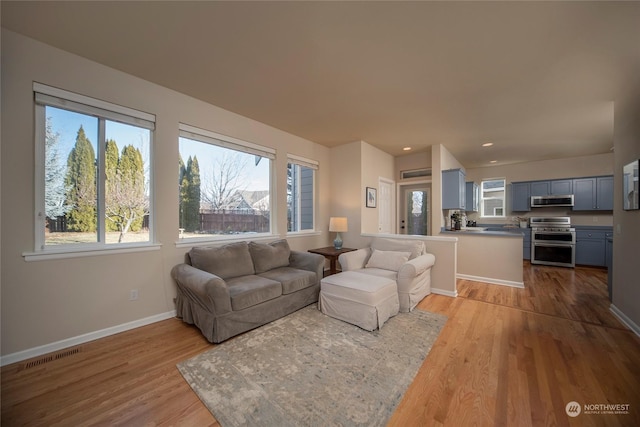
{"x":247,"y":291}
{"x":228,"y":261}
{"x":292,"y":279}
{"x":416,"y":247}
{"x":387,"y":260}
{"x":269,"y":256}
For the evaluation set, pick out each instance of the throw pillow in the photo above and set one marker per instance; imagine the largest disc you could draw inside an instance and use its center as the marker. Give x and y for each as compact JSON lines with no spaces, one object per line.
{"x":414,"y":247}
{"x":269,"y":256}
{"x":228,"y":261}
{"x":387,"y":260}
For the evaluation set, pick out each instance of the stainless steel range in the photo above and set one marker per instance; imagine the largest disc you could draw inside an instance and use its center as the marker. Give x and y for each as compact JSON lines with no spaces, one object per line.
{"x":553,"y":241}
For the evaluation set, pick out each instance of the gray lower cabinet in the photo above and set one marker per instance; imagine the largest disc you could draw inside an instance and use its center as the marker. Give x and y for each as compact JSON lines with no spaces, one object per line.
{"x":526,"y":243}
{"x":609,"y":260}
{"x":591,"y":247}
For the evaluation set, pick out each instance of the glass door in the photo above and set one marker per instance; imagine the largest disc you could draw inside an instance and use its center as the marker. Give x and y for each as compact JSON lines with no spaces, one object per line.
{"x":416,"y":206}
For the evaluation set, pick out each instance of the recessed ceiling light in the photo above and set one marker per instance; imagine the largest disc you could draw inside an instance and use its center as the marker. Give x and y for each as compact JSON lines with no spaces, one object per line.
{"x":493,"y":161}
{"x":407,"y":148}
{"x":487,"y":144}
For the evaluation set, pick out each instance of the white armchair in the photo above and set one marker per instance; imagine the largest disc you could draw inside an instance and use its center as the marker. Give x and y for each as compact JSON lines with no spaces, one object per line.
{"x":405,"y":261}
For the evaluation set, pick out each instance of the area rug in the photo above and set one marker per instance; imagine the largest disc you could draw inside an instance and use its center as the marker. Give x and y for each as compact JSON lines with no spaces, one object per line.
{"x":308,"y":369}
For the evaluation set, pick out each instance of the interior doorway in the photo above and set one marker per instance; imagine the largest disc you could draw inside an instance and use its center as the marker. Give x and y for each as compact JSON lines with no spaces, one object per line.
{"x":415,"y":209}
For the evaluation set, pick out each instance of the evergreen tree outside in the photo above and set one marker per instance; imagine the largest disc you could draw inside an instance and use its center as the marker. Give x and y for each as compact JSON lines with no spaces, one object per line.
{"x":183,"y":184}
{"x":191,"y":195}
{"x":80,"y":184}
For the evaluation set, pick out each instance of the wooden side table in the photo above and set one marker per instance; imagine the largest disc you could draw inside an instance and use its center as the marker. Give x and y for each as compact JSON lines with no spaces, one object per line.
{"x":332,"y":255}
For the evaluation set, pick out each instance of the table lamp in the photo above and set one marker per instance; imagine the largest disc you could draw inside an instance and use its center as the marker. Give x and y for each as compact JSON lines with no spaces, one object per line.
{"x":338,"y":225}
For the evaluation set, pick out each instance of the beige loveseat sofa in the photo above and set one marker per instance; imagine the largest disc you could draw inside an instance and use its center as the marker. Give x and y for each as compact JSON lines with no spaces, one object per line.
{"x":231,"y":289}
{"x":403,"y":260}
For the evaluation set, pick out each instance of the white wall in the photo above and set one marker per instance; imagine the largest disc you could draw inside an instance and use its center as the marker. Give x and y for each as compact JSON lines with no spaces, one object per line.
{"x":412,"y":161}
{"x":575,"y":167}
{"x":490,"y":259}
{"x":375,"y":164}
{"x":346,"y":199}
{"x":626,"y":241}
{"x":44,"y":302}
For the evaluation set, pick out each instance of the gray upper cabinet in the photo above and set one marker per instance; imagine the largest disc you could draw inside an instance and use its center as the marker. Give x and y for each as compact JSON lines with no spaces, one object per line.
{"x":556,"y":187}
{"x":453,"y":189}
{"x":561,"y":187}
{"x":521,"y":196}
{"x":540,"y":188}
{"x":472,"y":203}
{"x":593,"y":194}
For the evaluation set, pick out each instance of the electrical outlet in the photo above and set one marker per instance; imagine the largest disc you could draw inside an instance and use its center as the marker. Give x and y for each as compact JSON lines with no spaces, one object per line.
{"x":595,"y":219}
{"x":133,"y":295}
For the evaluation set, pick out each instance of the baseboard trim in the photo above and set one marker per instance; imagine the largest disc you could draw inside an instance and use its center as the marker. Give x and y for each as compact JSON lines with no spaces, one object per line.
{"x":491,"y":280}
{"x":444,"y":292}
{"x":625,"y":319}
{"x":81,"y":339}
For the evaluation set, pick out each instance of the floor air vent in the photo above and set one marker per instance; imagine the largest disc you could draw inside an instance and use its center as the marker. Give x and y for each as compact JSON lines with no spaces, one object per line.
{"x":51,"y":357}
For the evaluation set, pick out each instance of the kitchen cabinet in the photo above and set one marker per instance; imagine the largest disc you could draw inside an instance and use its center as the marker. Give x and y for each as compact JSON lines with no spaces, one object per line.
{"x":561,"y":187}
{"x":540,"y":188}
{"x":526,"y":243}
{"x":591,"y":247}
{"x":521,"y":196}
{"x":555,"y":187}
{"x":472,"y":202}
{"x":453,"y":189}
{"x":593,"y":194}
{"x":608,"y":250}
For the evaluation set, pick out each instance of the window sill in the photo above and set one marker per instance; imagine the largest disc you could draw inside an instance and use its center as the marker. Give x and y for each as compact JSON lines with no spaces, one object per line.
{"x":222,"y":240}
{"x":306,"y":233}
{"x":65,"y":253}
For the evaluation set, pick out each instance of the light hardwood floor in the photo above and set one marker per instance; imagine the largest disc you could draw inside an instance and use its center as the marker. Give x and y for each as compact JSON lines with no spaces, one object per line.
{"x":506,"y":357}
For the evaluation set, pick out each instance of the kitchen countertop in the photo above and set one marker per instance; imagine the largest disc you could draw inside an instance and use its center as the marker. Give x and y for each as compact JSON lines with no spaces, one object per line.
{"x":496,"y":231}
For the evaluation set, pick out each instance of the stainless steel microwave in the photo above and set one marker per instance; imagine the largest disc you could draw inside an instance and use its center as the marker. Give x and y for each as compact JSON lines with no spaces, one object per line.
{"x":549,"y":201}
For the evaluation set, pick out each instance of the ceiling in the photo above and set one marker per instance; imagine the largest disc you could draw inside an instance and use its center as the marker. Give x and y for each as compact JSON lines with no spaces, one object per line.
{"x":537,"y":79}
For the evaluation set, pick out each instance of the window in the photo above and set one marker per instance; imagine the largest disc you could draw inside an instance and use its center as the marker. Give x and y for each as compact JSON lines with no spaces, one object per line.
{"x":300,"y":193}
{"x":492,"y":196}
{"x":93,"y":182}
{"x":224,"y":185}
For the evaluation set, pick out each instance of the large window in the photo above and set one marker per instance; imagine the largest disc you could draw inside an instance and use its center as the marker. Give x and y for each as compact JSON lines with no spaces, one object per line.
{"x":492,"y":198}
{"x":300,"y":193}
{"x":224,"y":185}
{"x":93,"y":176}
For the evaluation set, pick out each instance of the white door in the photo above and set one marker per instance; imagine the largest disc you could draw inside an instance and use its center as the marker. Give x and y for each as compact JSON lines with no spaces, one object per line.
{"x":385,"y":206}
{"x":415,"y":207}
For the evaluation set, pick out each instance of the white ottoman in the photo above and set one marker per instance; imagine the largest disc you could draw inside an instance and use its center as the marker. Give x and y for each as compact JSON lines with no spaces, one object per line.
{"x":360,"y":299}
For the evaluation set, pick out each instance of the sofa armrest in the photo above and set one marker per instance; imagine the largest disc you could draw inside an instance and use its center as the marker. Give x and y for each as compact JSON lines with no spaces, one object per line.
{"x":416,"y":266}
{"x":307,"y":261}
{"x":206,"y":289}
{"x":354,"y":260}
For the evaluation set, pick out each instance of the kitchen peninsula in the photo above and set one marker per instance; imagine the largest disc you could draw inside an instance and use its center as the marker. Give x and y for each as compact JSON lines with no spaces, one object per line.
{"x":490,"y":255}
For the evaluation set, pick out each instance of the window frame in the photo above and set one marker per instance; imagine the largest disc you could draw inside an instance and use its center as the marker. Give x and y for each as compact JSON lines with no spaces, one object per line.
{"x":293,"y":159}
{"x":504,"y":199}
{"x":48,"y":96}
{"x":217,"y":139}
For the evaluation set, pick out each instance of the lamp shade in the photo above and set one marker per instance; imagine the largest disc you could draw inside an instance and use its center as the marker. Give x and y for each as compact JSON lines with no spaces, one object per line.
{"x":338,"y":224}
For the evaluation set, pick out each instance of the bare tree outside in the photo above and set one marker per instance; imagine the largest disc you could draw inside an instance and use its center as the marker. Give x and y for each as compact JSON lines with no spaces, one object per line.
{"x":225,"y":179}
